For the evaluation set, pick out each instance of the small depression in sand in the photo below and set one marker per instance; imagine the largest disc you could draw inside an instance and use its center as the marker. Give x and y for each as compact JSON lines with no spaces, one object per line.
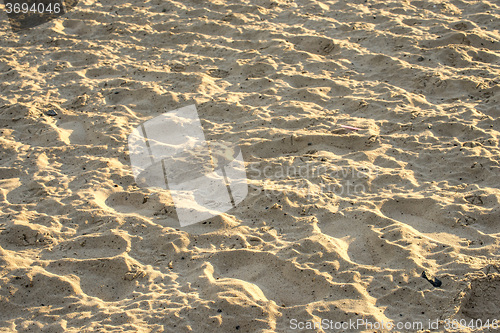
{"x":365,"y":245}
{"x":136,"y":203}
{"x":482,"y":301}
{"x":429,"y":219}
{"x":108,"y":244}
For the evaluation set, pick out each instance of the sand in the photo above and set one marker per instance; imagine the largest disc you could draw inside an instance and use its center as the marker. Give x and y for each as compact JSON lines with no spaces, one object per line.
{"x":339,"y":224}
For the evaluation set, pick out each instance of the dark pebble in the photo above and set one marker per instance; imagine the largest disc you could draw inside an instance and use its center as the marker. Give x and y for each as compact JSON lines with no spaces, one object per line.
{"x":420,"y":59}
{"x":435,"y":281}
{"x":51,"y":113}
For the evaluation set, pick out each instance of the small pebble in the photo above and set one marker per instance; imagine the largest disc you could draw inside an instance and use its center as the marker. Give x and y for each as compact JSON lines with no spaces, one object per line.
{"x":420,"y":59}
{"x":51,"y":113}
{"x":434,"y":281}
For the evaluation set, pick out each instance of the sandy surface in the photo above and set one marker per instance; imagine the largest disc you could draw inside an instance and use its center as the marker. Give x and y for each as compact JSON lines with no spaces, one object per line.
{"x":344,"y":234}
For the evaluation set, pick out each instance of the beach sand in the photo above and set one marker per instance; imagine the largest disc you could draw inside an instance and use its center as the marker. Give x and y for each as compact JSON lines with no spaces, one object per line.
{"x":338,"y":225}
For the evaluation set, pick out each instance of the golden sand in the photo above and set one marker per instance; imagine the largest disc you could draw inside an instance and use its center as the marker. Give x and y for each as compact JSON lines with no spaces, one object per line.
{"x":339,"y":223}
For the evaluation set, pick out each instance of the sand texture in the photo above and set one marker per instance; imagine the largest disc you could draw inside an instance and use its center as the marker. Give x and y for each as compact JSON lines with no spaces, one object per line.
{"x":343,"y":234}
